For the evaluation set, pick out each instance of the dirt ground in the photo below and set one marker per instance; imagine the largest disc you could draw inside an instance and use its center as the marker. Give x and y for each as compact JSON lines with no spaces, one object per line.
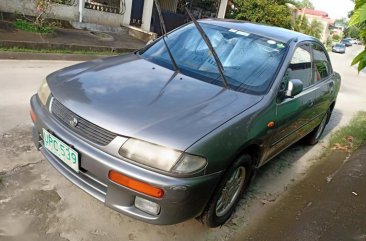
{"x":37,"y":203}
{"x":328,"y":205}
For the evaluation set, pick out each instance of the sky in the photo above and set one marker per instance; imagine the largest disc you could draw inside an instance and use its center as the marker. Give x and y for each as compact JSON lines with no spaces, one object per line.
{"x":335,"y":8}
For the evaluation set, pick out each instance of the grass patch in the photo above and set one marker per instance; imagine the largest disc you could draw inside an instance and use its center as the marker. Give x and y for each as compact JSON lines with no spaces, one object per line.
{"x":55,"y":51}
{"x":32,"y":27}
{"x":350,"y":137}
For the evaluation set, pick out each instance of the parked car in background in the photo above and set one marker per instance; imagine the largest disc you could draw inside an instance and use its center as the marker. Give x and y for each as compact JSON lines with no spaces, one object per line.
{"x":346,"y":42}
{"x":358,"y":42}
{"x":339,"y":48}
{"x":164,"y":134}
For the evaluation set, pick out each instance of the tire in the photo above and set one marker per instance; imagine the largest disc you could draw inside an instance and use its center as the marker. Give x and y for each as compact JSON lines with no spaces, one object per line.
{"x":313,"y":137}
{"x":218,"y":211}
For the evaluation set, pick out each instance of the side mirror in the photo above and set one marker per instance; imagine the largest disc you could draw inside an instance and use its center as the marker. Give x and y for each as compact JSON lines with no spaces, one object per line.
{"x":295,"y":86}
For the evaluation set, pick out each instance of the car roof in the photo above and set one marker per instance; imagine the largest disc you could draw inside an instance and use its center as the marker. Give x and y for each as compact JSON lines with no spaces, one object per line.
{"x":271,"y":32}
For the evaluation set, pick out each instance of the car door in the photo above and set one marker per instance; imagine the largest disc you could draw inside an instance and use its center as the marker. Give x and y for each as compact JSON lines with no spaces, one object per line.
{"x":323,"y":87}
{"x":294,"y":113}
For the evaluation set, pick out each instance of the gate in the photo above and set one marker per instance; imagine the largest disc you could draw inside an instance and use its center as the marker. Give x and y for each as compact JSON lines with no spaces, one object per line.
{"x":175,"y":15}
{"x":136,"y":12}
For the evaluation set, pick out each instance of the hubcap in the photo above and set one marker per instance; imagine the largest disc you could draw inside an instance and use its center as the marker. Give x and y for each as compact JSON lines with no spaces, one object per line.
{"x":230,"y":192}
{"x":321,"y":127}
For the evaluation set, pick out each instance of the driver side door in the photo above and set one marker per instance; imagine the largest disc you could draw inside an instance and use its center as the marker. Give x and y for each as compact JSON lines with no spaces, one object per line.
{"x":292,"y":114}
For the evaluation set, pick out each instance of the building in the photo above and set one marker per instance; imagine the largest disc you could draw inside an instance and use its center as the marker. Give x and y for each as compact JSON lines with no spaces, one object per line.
{"x":138,"y":16}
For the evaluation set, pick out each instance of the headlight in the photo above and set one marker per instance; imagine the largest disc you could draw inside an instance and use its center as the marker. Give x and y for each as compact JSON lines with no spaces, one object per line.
{"x":44,"y":92}
{"x":160,"y":157}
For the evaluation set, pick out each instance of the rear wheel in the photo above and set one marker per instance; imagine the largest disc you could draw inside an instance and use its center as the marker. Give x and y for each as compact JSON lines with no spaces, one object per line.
{"x":314,"y":136}
{"x":228,"y":193}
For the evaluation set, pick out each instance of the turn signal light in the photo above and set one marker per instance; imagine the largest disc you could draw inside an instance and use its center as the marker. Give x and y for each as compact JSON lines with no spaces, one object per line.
{"x":33,"y":115}
{"x":135,"y":184}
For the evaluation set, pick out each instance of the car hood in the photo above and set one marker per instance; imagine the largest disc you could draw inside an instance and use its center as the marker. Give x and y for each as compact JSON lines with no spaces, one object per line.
{"x":136,"y":98}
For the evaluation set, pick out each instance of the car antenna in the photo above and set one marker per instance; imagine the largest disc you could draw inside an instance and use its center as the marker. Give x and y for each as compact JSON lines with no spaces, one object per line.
{"x":164,"y":34}
{"x":209,"y":45}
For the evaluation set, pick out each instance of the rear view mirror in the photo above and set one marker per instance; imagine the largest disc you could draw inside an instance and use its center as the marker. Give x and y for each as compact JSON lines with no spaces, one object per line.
{"x":295,"y":86}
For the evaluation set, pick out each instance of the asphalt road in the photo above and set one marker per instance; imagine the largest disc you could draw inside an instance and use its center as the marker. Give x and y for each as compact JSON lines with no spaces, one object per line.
{"x":37,"y":203}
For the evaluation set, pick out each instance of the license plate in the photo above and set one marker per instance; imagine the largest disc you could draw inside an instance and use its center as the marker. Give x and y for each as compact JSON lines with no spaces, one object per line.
{"x":65,"y":153}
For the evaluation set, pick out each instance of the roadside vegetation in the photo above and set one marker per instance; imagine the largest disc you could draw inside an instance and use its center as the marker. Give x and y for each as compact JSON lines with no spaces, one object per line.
{"x":350,"y":137}
{"x":262,"y":11}
{"x":277,"y":13}
{"x":358,"y":20}
{"x":33,"y":27}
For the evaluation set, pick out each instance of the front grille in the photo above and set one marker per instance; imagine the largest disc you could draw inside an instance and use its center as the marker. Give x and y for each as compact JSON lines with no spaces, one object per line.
{"x":84,"y":128}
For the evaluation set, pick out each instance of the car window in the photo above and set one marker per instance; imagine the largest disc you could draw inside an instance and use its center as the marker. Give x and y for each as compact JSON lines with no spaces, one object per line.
{"x":300,"y":66}
{"x":321,"y":63}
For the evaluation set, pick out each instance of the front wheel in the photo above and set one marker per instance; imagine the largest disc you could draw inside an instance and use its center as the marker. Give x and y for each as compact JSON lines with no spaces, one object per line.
{"x":228,"y":193}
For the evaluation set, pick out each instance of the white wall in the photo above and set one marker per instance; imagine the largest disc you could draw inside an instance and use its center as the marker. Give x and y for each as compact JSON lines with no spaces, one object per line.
{"x":68,"y":13}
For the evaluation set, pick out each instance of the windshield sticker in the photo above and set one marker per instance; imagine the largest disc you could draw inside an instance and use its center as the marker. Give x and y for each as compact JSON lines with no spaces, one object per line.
{"x":271,"y":42}
{"x":280,"y":45}
{"x":233,"y":30}
{"x":242,"y":33}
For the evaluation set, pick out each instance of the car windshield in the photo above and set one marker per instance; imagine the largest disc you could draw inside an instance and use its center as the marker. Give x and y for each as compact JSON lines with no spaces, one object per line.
{"x":339,"y":45}
{"x":250,"y":61}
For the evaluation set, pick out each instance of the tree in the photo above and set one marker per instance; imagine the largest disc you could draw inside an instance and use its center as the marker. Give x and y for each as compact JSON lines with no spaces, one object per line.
{"x":305,"y":4}
{"x":314,"y":28}
{"x":358,"y":19}
{"x":272,"y":12}
{"x":353,"y":32}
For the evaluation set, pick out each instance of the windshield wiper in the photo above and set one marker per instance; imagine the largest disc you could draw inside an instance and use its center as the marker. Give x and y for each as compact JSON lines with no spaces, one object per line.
{"x":220,"y":67}
{"x":164,"y":34}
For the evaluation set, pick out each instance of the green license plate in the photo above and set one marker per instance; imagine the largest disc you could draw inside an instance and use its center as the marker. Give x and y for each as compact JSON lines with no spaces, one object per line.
{"x":65,"y":153}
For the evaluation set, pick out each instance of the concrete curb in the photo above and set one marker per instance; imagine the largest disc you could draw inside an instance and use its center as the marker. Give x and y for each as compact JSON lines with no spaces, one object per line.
{"x":58,"y":46}
{"x":49,"y":56}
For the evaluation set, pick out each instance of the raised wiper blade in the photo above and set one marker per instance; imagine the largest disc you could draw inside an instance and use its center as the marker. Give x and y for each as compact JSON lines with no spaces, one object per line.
{"x":210,"y":47}
{"x":163,"y":31}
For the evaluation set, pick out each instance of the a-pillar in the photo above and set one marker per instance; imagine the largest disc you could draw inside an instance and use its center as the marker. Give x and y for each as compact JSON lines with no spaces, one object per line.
{"x":146,"y":15}
{"x":222,"y":9}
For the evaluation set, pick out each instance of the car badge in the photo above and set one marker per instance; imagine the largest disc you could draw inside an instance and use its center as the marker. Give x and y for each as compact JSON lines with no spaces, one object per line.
{"x":74,"y":122}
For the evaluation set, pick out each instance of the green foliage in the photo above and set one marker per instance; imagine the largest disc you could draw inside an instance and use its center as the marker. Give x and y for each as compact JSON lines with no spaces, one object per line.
{"x":353,"y":32}
{"x":271,"y":12}
{"x":329,"y":41}
{"x":351,"y":136}
{"x":361,"y":60}
{"x":336,"y":38}
{"x":314,"y":28}
{"x":305,"y":4}
{"x":32,"y":27}
{"x":358,"y":19}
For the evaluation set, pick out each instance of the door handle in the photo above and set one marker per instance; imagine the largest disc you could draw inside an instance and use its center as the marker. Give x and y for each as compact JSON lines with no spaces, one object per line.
{"x":331,"y":87}
{"x":310,"y":103}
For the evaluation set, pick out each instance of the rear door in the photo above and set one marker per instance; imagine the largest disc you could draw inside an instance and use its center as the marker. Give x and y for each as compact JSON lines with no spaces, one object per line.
{"x":323,"y":87}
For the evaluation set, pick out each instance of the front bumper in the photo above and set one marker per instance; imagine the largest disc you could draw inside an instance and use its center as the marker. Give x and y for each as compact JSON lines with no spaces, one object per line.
{"x":184,"y":198}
